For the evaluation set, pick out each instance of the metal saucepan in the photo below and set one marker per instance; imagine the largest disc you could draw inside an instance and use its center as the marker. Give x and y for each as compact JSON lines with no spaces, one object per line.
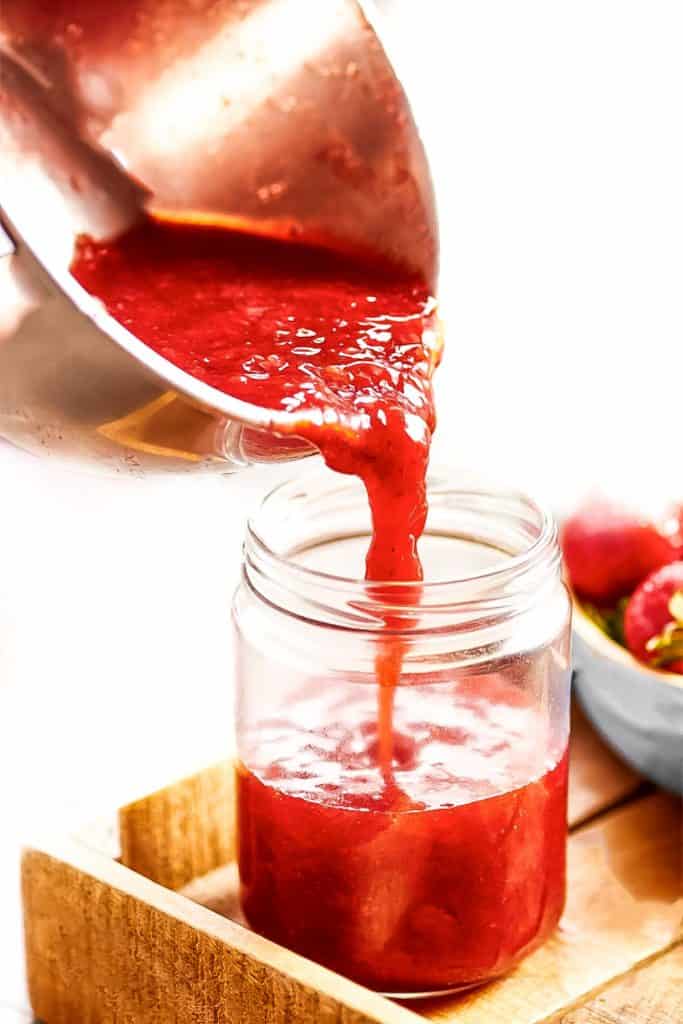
{"x":282,"y":116}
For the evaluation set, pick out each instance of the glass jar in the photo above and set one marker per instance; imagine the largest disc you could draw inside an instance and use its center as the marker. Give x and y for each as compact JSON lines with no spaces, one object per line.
{"x":444,"y":868}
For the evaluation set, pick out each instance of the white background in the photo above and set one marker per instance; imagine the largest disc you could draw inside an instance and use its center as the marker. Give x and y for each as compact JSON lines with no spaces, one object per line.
{"x":555,"y":135}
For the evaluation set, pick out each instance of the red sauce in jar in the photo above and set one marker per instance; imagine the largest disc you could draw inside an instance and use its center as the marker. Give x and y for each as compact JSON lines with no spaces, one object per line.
{"x":395,"y":881}
{"x":448,"y":878}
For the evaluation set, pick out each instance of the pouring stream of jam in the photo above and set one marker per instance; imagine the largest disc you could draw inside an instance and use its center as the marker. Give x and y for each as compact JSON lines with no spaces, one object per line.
{"x":347,"y":349}
{"x":417,"y":843}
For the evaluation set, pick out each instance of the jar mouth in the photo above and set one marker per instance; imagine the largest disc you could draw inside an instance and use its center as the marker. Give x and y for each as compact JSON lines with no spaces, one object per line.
{"x":318,"y":509}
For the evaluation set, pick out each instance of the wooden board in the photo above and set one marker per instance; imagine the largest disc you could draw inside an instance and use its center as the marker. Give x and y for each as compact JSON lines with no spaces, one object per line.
{"x":111,"y":943}
{"x":650,"y":995}
{"x":159,"y":835}
{"x":107,"y":946}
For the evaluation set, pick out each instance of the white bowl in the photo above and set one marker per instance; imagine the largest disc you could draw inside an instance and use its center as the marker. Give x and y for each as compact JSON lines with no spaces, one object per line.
{"x":637,"y":709}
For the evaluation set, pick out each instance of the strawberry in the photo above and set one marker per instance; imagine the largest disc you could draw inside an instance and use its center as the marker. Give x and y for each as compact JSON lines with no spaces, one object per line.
{"x":673,"y":526}
{"x":609,"y":550}
{"x":653,"y":623}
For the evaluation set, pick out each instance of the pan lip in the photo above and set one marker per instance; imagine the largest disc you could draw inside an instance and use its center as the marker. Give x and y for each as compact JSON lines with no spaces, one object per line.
{"x":94,"y":310}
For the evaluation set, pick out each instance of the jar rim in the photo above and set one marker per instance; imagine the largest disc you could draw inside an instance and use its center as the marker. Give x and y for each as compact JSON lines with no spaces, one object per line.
{"x":507,"y":586}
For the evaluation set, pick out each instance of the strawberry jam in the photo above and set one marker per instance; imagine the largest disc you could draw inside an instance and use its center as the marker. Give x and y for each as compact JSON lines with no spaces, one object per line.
{"x":411,"y":837}
{"x":444,"y":879}
{"x":346,"y":348}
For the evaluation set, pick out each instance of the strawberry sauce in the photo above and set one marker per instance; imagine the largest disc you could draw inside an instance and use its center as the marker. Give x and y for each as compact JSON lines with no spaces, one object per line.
{"x":410,"y":856}
{"x":445,"y":879}
{"x":347,"y":349}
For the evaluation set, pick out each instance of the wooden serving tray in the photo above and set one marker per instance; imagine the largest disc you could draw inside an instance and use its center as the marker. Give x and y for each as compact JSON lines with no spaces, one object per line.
{"x":152,"y":935}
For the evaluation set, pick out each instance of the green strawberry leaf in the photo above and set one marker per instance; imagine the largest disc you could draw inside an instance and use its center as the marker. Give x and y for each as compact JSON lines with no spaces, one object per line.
{"x":596,"y":616}
{"x":667,"y":646}
{"x":671,"y":650}
{"x":609,"y":620}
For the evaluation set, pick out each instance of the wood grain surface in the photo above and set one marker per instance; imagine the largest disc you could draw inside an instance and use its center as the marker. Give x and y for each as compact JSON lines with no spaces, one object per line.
{"x":111,"y":943}
{"x":182,"y":831}
{"x":653,"y":994}
{"x":107,"y":946}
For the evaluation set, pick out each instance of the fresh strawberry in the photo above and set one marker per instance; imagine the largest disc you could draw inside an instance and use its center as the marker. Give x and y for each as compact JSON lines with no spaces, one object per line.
{"x":672,"y":526}
{"x":609,"y":550}
{"x":653,"y":623}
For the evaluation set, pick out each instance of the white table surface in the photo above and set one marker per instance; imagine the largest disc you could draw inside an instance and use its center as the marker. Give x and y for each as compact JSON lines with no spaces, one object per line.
{"x":553,"y":130}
